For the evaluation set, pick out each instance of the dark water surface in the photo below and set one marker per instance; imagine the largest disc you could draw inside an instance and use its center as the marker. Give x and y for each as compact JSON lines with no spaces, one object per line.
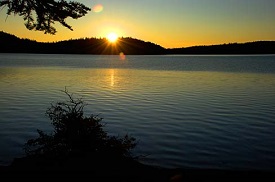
{"x":186,"y":111}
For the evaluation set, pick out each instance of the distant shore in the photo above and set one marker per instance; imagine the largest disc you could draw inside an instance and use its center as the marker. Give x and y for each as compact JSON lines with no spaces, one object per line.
{"x":126,"y":46}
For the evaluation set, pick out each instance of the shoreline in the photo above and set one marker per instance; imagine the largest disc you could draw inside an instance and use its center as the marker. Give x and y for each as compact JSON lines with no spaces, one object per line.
{"x":83,"y":169}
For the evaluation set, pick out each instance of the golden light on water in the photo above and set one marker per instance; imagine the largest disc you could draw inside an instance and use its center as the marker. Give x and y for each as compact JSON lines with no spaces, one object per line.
{"x":112,"y":78}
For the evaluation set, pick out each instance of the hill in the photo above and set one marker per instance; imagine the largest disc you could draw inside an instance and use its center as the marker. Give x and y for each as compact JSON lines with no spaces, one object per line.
{"x":128,"y":45}
{"x":259,"y":47}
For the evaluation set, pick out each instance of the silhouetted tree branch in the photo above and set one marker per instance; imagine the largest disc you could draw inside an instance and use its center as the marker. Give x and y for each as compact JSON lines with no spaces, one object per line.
{"x":46,"y":11}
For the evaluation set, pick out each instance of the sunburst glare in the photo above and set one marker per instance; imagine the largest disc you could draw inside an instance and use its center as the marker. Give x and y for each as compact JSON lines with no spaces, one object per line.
{"x":112,"y":37}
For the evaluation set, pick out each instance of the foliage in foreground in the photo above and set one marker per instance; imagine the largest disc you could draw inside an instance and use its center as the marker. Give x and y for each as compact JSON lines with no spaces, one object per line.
{"x":47,"y":12}
{"x":77,"y":135}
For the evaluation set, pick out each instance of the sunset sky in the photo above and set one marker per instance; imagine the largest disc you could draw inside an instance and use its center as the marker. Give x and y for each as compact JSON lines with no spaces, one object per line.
{"x":169,"y":23}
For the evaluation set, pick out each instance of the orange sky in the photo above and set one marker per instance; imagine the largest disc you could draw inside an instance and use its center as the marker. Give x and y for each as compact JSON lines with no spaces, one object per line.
{"x":173,"y":23}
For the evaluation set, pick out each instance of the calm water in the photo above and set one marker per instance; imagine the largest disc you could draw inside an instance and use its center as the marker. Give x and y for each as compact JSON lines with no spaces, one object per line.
{"x":186,"y":111}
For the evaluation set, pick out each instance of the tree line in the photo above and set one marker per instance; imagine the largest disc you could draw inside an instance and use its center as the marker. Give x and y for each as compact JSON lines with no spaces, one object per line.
{"x":127,"y":45}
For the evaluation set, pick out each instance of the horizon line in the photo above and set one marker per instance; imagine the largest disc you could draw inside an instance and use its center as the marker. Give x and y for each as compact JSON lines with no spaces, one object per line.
{"x":121,"y":37}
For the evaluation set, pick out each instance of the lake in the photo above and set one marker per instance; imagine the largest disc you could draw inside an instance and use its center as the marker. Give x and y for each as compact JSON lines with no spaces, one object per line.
{"x":186,"y":111}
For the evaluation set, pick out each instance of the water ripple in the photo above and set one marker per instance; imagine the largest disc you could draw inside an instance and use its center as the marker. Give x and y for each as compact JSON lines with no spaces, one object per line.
{"x":185,"y":117}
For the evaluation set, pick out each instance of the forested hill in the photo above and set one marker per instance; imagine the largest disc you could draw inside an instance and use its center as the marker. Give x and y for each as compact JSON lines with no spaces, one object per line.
{"x":259,"y":47}
{"x":12,"y":44}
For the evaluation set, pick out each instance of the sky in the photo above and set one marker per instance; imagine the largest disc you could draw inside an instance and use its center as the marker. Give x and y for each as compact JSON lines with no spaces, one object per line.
{"x":169,"y":23}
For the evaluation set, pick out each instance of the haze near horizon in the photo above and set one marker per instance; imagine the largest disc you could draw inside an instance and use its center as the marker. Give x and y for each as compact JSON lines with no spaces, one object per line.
{"x":171,"y":24}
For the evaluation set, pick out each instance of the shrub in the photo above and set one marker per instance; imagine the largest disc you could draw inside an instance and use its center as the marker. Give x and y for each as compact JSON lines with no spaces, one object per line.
{"x":75,"y":134}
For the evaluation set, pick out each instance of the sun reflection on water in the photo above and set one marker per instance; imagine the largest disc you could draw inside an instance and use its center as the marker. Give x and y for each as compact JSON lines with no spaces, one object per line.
{"x":112,"y":81}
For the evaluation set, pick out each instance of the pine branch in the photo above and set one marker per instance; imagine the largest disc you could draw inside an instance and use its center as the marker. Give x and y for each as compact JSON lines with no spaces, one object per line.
{"x":40,"y":15}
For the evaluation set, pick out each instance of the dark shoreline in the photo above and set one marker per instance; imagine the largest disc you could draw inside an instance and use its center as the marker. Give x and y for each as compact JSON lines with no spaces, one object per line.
{"x":123,"y":170}
{"x":133,"y":174}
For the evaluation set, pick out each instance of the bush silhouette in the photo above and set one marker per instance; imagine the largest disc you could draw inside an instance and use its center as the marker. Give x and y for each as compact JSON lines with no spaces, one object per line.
{"x":77,"y":135}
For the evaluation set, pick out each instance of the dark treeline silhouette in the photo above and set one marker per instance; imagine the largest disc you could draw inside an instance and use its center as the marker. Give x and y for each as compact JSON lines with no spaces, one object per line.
{"x":129,"y":46}
{"x":259,"y":47}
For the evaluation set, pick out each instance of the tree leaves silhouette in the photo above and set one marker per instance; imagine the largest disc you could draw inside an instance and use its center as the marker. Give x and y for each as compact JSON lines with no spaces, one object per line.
{"x":47,"y":12}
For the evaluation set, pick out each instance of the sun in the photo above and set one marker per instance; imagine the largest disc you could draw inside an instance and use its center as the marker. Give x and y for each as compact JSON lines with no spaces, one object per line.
{"x":112,"y":37}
